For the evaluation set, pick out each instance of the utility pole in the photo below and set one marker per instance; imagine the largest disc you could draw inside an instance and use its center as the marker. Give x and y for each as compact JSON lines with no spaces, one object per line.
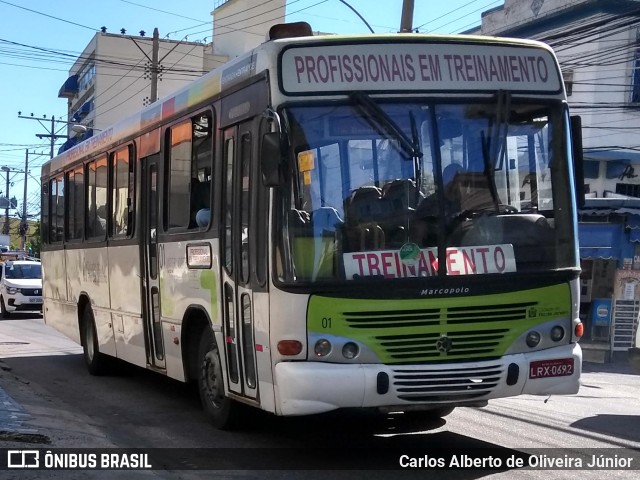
{"x":155,"y":68}
{"x":154,"y":65}
{"x":24,"y":225}
{"x":406,"y":23}
{"x":51,"y":130}
{"x":5,"y":229}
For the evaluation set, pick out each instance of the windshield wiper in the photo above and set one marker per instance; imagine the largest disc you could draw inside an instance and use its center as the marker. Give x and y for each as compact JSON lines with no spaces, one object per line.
{"x":490,"y":146}
{"x":381,"y":121}
{"x":417,"y":164}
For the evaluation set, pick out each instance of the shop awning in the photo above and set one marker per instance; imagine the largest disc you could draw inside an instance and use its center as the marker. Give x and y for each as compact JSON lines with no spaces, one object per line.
{"x":83,"y":111}
{"x":67,"y":145}
{"x":600,"y":240}
{"x":603,"y":252}
{"x":69,"y":88}
{"x":611,"y":154}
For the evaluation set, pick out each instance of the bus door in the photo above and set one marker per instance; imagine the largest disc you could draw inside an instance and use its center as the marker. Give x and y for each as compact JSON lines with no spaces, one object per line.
{"x":150,"y":254}
{"x":237,"y":294}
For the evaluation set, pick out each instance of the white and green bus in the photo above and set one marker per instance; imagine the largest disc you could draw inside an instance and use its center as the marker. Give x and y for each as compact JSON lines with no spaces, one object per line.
{"x":376,"y":221}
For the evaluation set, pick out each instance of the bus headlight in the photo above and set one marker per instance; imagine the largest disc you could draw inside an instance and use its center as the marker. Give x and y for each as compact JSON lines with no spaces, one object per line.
{"x":533,"y":339}
{"x":350,"y":350}
{"x":557,"y":333}
{"x":322,"y":347}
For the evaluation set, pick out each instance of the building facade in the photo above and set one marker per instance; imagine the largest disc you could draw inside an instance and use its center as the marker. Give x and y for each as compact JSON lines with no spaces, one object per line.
{"x":118,"y":74}
{"x":111,"y":78}
{"x":598,"y":46}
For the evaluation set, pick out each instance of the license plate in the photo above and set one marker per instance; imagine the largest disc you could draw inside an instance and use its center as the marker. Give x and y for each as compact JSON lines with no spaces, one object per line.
{"x":559,"y":367}
{"x":35,"y":300}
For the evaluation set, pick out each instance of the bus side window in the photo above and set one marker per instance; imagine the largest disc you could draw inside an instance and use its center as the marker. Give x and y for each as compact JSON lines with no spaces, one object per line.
{"x":200,"y":208}
{"x":122,"y":195}
{"x":56,"y":210}
{"x":201,"y":171}
{"x":96,"y":198}
{"x":189,"y":172}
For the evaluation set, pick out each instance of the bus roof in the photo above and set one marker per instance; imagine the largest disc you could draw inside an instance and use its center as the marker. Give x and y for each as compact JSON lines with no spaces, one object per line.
{"x":302,"y":59}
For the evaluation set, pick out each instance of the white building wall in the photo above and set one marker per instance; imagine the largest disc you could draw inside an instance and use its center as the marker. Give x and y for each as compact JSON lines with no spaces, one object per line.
{"x":240,"y":25}
{"x":595,"y":82}
{"x":122,"y":82}
{"x":608,"y":85}
{"x":124,"y":87}
{"x":517,"y":13}
{"x":121,"y":86}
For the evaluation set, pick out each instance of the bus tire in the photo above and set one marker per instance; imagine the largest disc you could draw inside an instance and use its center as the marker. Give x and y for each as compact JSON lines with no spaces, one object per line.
{"x":3,"y":309}
{"x":96,"y":362}
{"x":219,"y":409}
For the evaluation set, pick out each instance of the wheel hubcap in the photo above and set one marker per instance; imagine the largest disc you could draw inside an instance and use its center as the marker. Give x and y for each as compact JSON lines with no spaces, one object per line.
{"x":212,"y":380}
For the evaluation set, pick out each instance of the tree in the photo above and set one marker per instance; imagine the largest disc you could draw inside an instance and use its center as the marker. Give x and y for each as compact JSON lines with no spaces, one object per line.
{"x":35,"y":241}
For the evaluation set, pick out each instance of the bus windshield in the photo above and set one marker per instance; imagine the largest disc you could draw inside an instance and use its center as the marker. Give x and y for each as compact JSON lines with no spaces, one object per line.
{"x":381,"y":190}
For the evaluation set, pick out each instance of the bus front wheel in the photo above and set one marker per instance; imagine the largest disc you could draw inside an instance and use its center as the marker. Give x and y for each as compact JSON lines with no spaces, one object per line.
{"x":220,"y":409}
{"x":96,"y":361}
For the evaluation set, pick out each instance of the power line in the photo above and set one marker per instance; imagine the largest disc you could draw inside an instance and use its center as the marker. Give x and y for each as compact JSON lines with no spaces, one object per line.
{"x":465,"y":15}
{"x":106,"y":60}
{"x":173,"y":14}
{"x":49,"y":16}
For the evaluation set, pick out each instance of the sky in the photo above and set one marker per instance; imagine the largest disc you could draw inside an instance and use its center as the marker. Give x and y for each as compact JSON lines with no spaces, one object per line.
{"x":30,"y":78}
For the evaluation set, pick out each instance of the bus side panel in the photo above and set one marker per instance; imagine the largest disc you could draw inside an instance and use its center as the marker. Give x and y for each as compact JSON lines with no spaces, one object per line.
{"x":263,"y":351}
{"x":182,"y":287}
{"x":92,"y":264}
{"x":292,"y":308}
{"x":55,"y":284}
{"x":58,"y":313}
{"x":126,"y":303}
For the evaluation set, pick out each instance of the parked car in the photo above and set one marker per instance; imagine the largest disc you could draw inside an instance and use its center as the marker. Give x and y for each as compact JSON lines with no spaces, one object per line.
{"x":20,"y":286}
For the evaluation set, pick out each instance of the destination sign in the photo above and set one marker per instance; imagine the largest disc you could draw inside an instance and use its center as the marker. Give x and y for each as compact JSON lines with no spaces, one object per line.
{"x":474,"y":260}
{"x":411,"y":66}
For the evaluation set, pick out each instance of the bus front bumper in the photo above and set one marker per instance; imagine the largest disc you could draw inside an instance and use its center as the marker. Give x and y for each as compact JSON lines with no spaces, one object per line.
{"x":304,"y":388}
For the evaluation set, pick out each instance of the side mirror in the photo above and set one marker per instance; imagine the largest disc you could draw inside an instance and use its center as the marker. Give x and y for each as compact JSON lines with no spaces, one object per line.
{"x":271,"y":159}
{"x":578,"y":160}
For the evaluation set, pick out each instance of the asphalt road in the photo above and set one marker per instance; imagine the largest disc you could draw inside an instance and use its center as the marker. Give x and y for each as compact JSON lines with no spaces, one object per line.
{"x":52,"y":398}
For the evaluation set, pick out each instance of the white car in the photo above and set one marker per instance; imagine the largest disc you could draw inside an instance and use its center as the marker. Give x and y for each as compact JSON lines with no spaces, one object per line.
{"x":20,"y":286}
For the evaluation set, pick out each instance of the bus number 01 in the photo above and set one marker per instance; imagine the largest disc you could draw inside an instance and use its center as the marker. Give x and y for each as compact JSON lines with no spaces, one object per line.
{"x":326,"y":322}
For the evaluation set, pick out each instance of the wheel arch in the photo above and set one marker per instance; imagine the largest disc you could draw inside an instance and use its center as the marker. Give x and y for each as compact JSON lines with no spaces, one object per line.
{"x":83,"y":301}
{"x":195,"y":321}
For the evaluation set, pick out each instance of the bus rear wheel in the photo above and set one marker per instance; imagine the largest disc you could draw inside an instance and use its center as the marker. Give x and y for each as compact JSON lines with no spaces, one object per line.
{"x":96,"y":361}
{"x":221,"y":411}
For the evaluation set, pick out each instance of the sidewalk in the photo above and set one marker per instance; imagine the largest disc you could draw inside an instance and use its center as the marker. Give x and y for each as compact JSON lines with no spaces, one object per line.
{"x":32,"y":418}
{"x":29,"y":416}
{"x":14,"y":420}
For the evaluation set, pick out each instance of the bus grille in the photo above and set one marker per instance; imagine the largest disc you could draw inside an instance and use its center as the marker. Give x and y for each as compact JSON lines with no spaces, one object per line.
{"x":448,"y":384}
{"x":440,"y":334}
